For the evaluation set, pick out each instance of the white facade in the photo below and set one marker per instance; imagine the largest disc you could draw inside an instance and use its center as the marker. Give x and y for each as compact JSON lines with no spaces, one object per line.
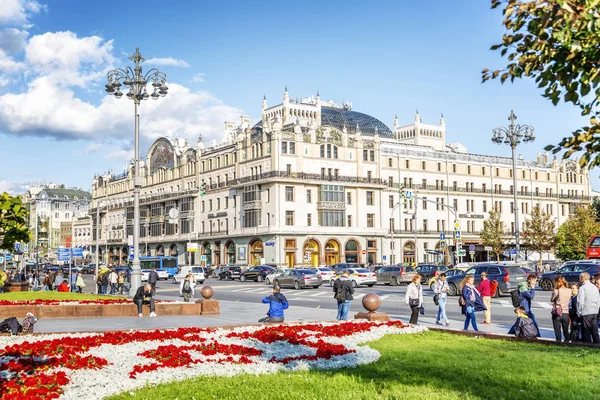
{"x":316,"y":183}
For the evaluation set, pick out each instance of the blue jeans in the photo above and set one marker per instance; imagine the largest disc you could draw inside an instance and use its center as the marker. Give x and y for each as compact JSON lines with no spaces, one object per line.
{"x":470,"y":311}
{"x":113,"y":288}
{"x":441,"y":315}
{"x":104,"y":288}
{"x":343,"y":309}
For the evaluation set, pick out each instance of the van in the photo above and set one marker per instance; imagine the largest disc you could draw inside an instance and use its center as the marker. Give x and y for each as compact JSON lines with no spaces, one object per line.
{"x":198,"y":272}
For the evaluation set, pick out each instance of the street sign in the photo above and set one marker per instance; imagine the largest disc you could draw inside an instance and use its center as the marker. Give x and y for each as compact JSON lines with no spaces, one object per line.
{"x":461,"y":253}
{"x":472,"y":247}
{"x":384,"y":258}
{"x":456,"y":234}
{"x":26,"y":248}
{"x":472,"y":252}
{"x":269,"y":243}
{"x":456,"y":225}
{"x":192,"y":247}
{"x":1,"y":259}
{"x":131,"y":252}
{"x":408,"y":194}
{"x":17,"y":246}
{"x":77,"y":252}
{"x":203,"y":258}
{"x":442,"y":236}
{"x":64,"y":254}
{"x":364,"y":252}
{"x":488,"y":248}
{"x":8,"y":257}
{"x":442,"y":244}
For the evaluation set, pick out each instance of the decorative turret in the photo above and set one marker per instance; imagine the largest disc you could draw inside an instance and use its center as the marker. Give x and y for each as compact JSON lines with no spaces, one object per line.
{"x":442,"y":122}
{"x":264,"y":102}
{"x":200,"y":144}
{"x":396,"y":124}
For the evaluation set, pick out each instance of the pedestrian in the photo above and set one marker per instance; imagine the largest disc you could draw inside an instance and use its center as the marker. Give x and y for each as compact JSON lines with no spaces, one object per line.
{"x":470,"y":301}
{"x":79,"y":283}
{"x":121,"y":283}
{"x":73,"y":280}
{"x":99,"y":282}
{"x":105,"y":281}
{"x":51,"y":278}
{"x":187,"y":287}
{"x":152,"y":279}
{"x":560,"y":308}
{"x":30,"y":281}
{"x":58,"y":279}
{"x":484,"y":289}
{"x":113,"y":279}
{"x":277,"y":304}
{"x":144,"y":295}
{"x":588,"y":304}
{"x":46,"y":282}
{"x":343,"y":291}
{"x":527,"y":293}
{"x":414,"y":298}
{"x":64,"y":286}
{"x":441,"y":288}
{"x":575,"y":326}
{"x":525,"y":327}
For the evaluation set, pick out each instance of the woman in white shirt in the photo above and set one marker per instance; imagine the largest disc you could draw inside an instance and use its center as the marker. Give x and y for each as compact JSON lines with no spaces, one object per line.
{"x":414,"y":298}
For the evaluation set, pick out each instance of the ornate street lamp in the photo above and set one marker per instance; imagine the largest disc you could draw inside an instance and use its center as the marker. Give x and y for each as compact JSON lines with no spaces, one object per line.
{"x":136,"y":81}
{"x":513,"y":135}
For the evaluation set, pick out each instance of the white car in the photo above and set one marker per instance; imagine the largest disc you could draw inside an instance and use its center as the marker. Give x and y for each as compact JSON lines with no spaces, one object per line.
{"x":269,"y":279}
{"x":326,"y":273}
{"x":358,"y":276}
{"x":198,"y":272}
{"x":162,"y":274}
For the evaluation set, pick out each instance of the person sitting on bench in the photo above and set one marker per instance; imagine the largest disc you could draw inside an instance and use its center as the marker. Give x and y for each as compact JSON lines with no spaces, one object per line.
{"x":144,"y":295}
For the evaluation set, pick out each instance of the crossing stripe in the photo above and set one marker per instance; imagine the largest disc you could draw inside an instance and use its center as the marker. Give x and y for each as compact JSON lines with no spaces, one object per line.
{"x":505,"y":303}
{"x":321,"y":294}
{"x":544,"y":305}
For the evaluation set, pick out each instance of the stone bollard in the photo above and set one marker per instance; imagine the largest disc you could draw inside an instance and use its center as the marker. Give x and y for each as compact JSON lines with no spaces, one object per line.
{"x":371,"y":303}
{"x":208,"y":306}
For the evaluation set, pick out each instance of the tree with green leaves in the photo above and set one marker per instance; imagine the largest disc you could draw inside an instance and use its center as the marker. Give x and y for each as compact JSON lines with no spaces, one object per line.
{"x":557,"y":43}
{"x":596,"y":207}
{"x":492,"y":233}
{"x":573,"y":236}
{"x":538,"y":234}
{"x":13,"y":222}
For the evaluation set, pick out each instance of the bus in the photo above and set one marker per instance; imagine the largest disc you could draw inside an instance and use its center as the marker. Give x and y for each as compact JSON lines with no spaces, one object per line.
{"x":593,"y":249}
{"x":168,"y":263}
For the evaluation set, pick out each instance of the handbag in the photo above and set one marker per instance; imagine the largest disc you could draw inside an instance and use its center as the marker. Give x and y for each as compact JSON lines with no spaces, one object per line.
{"x":556,"y":308}
{"x":422,"y":310}
{"x":436,"y":299}
{"x":413,"y":302}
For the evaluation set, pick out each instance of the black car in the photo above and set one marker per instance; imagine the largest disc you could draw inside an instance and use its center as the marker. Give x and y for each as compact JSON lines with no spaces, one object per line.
{"x":230,"y":273}
{"x":257,"y":273}
{"x":428,"y":271}
{"x":508,"y":277}
{"x":570,"y":271}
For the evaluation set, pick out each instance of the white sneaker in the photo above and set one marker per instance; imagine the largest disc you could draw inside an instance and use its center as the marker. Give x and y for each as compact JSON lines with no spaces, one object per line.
{"x":140,"y":315}
{"x":153,"y":314}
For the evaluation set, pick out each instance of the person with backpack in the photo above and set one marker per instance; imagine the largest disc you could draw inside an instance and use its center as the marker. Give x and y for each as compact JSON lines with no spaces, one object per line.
{"x":343,"y":291}
{"x":277,"y":304}
{"x":441,"y":288}
{"x":525,"y":327}
{"x":560,"y":308}
{"x":484,"y":289}
{"x":526,"y":292}
{"x":186,"y":288}
{"x":414,"y":298}
{"x":470,"y":301}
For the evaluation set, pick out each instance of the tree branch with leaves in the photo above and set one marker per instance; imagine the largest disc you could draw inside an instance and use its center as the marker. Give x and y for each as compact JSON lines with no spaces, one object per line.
{"x":538,"y":234}
{"x":573,"y":236}
{"x":13,"y":222}
{"x":557,"y":43}
{"x":492,"y":233}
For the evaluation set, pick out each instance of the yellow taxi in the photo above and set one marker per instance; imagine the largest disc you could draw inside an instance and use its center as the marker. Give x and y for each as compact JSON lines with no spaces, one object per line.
{"x":358,"y":276}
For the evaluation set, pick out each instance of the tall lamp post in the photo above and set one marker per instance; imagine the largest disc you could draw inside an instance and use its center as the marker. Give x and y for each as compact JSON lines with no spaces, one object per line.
{"x":512,"y":136}
{"x":136,"y":81}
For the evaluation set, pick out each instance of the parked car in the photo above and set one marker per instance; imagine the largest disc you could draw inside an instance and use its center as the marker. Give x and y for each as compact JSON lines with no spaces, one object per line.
{"x":428,"y":271}
{"x":199,"y":273}
{"x":230,"y":273}
{"x":395,"y":275}
{"x":342,"y":266}
{"x":529,"y":271}
{"x":450,"y":272}
{"x":507,"y":276}
{"x":88,"y":269}
{"x":326,"y":273}
{"x":358,"y":276}
{"x":257,"y":273}
{"x":269,"y":279}
{"x":570,"y":271}
{"x":145,"y":273}
{"x":299,"y":278}
{"x":163,"y":274}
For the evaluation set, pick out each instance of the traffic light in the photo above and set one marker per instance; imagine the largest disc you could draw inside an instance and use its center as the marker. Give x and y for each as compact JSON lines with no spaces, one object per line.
{"x":402,"y":191}
{"x":203,"y":189}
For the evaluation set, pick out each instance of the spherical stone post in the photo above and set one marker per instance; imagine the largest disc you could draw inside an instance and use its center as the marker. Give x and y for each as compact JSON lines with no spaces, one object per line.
{"x":371,"y":303}
{"x":207,"y":292}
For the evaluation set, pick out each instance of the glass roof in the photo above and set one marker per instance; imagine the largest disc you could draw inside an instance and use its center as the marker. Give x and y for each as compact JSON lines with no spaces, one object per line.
{"x":338,"y":118}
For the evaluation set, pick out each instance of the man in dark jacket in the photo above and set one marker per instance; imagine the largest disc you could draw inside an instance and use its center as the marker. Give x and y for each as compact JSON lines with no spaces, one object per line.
{"x":144,"y":295}
{"x":277,"y":303}
{"x":152,"y":279}
{"x":343,"y":291}
{"x":104,"y":280}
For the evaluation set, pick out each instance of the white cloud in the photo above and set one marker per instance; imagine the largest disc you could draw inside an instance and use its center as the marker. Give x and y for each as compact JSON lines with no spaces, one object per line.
{"x":18,"y":11}
{"x":170,"y":61}
{"x":199,"y":77}
{"x":13,"y":41}
{"x":9,"y":65}
{"x":120,"y":154}
{"x":14,"y":187}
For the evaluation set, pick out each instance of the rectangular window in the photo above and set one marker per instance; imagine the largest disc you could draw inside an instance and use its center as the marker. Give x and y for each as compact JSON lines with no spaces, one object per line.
{"x":389,"y":162}
{"x":226,"y":203}
{"x":284,"y":147}
{"x":498,"y":172}
{"x":308,"y":219}
{"x":349,"y":198}
{"x":372,"y":155}
{"x":331,"y":218}
{"x":484,"y":205}
{"x":370,"y":220}
{"x":288,"y":169}
{"x":455,"y":204}
{"x":423,"y":165}
{"x":251,"y":218}
{"x":333,"y":193}
{"x":365,"y":155}
{"x":391,"y":201}
{"x":453,"y":168}
{"x":407,"y":164}
{"x":218,"y":204}
{"x":439,"y":167}
{"x":424,"y":183}
{"x":292,"y":148}
{"x":370,"y":196}
{"x":469,"y":169}
{"x":482,"y":170}
{"x":424,"y":203}
{"x":455,"y":186}
{"x":425,"y":227}
{"x":391,"y":181}
{"x":369,"y":176}
{"x":289,"y":193}
{"x":210,"y":205}
{"x":309,"y":196}
{"x":349,"y":220}
{"x":289,"y":218}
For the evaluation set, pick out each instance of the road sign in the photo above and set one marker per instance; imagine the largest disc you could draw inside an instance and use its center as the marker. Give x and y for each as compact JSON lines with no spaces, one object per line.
{"x":442,"y":244}
{"x":472,"y":252}
{"x":192,"y":247}
{"x":8,"y":257}
{"x":17,"y":246}
{"x":488,"y":248}
{"x":64,"y":254}
{"x":25,"y":248}
{"x":173,"y":213}
{"x":131,"y":252}
{"x":442,"y":236}
{"x":472,"y":247}
{"x":456,"y":234}
{"x":457,"y":225}
{"x":364,"y":252}
{"x":408,"y":194}
{"x":77,"y":252}
{"x":1,"y":259}
{"x":461,"y":253}
{"x":271,"y":244}
{"x":384,"y":258}
{"x":203,"y":258}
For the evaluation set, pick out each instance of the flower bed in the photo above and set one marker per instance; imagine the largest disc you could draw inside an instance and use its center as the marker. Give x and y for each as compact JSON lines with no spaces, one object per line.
{"x":43,"y":302}
{"x":72,"y":367}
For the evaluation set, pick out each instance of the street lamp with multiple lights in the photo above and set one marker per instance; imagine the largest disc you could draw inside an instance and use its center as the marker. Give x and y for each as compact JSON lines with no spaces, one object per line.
{"x":512,"y":136}
{"x":136,"y":81}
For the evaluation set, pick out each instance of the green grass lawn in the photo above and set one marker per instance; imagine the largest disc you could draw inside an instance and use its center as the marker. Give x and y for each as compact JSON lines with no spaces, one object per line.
{"x":50,"y":295}
{"x":432,"y":366}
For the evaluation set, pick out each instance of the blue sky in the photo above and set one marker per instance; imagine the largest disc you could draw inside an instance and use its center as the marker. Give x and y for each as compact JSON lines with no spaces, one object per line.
{"x":56,"y":124}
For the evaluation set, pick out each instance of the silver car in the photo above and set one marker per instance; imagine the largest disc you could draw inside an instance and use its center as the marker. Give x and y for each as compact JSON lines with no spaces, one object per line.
{"x":299,"y":278}
{"x":269,"y":279}
{"x":395,"y":274}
